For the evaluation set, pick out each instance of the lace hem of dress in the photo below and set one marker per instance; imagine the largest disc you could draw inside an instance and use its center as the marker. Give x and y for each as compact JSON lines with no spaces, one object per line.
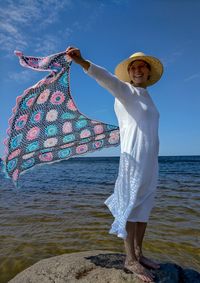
{"x":127,"y":193}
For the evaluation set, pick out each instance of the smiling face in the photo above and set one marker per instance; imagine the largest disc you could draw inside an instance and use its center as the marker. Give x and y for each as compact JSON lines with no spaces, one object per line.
{"x":139,"y":72}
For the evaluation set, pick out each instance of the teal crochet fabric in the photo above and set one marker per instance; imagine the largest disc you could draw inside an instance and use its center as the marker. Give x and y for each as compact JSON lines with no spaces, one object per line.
{"x":46,"y":125}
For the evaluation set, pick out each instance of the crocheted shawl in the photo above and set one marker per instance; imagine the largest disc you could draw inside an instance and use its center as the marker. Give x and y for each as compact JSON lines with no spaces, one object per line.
{"x":46,"y":126}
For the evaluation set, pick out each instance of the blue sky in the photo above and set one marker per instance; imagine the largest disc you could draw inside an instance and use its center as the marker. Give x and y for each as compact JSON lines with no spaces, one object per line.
{"x":107,"y":32}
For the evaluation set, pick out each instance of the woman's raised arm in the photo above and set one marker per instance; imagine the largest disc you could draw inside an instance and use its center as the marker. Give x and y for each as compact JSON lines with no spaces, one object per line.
{"x":118,"y":88}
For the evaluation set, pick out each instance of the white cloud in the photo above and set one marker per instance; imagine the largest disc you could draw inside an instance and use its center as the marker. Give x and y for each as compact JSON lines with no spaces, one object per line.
{"x":21,"y":77}
{"x":47,"y":44}
{"x":119,"y":2}
{"x":17,"y":16}
{"x":11,"y":42}
{"x":194,"y":76}
{"x":172,"y":57}
{"x":21,"y":21}
{"x":7,"y":27}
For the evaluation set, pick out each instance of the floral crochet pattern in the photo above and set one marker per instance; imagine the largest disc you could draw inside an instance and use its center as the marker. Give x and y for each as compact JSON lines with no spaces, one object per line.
{"x":46,"y":126}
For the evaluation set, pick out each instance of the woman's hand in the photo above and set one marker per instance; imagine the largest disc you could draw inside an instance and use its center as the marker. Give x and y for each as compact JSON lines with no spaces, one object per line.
{"x":75,"y":54}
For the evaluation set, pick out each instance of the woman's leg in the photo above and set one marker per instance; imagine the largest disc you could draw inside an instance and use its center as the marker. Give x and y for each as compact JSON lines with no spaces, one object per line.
{"x":138,"y":240}
{"x":129,"y":242}
{"x":131,"y":262}
{"x":139,"y":236}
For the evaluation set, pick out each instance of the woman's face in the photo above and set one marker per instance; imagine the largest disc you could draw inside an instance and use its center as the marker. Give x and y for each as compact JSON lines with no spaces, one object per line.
{"x":139,"y":73}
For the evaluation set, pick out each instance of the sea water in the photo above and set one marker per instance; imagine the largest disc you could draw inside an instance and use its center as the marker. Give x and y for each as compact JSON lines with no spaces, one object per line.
{"x":59,"y":208}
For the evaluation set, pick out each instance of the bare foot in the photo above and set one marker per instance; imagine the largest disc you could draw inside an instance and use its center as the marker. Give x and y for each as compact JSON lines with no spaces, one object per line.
{"x":136,"y":268}
{"x":148,"y":262}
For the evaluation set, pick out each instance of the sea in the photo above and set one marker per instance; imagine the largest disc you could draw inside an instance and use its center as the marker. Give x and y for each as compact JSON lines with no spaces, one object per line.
{"x":59,"y":208}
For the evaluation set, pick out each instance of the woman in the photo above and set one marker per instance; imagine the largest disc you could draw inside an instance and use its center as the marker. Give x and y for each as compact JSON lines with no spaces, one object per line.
{"x":136,"y":183}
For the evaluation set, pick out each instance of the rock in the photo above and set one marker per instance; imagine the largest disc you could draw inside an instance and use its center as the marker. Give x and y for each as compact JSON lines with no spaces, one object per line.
{"x":96,"y":267}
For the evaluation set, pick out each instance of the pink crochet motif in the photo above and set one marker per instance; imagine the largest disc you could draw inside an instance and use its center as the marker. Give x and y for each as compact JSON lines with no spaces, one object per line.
{"x":46,"y":125}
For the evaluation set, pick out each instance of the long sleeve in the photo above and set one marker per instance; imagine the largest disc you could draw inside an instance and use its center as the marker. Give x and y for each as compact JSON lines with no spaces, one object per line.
{"x":116,"y":87}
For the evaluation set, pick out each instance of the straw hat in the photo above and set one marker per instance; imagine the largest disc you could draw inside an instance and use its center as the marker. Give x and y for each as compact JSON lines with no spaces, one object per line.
{"x":121,"y":71}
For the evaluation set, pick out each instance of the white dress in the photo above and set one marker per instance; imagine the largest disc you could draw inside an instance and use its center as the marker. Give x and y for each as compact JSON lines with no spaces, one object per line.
{"x":138,"y":119}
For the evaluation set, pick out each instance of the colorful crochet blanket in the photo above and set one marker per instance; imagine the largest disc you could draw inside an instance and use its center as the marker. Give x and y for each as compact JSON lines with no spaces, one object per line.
{"x":46,"y":126}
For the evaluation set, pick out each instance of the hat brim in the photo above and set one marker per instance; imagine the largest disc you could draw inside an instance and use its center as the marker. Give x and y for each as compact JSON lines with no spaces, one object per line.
{"x":121,"y":71}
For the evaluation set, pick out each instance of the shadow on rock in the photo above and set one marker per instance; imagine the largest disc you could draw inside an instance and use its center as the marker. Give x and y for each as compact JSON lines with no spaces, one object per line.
{"x":167,"y":273}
